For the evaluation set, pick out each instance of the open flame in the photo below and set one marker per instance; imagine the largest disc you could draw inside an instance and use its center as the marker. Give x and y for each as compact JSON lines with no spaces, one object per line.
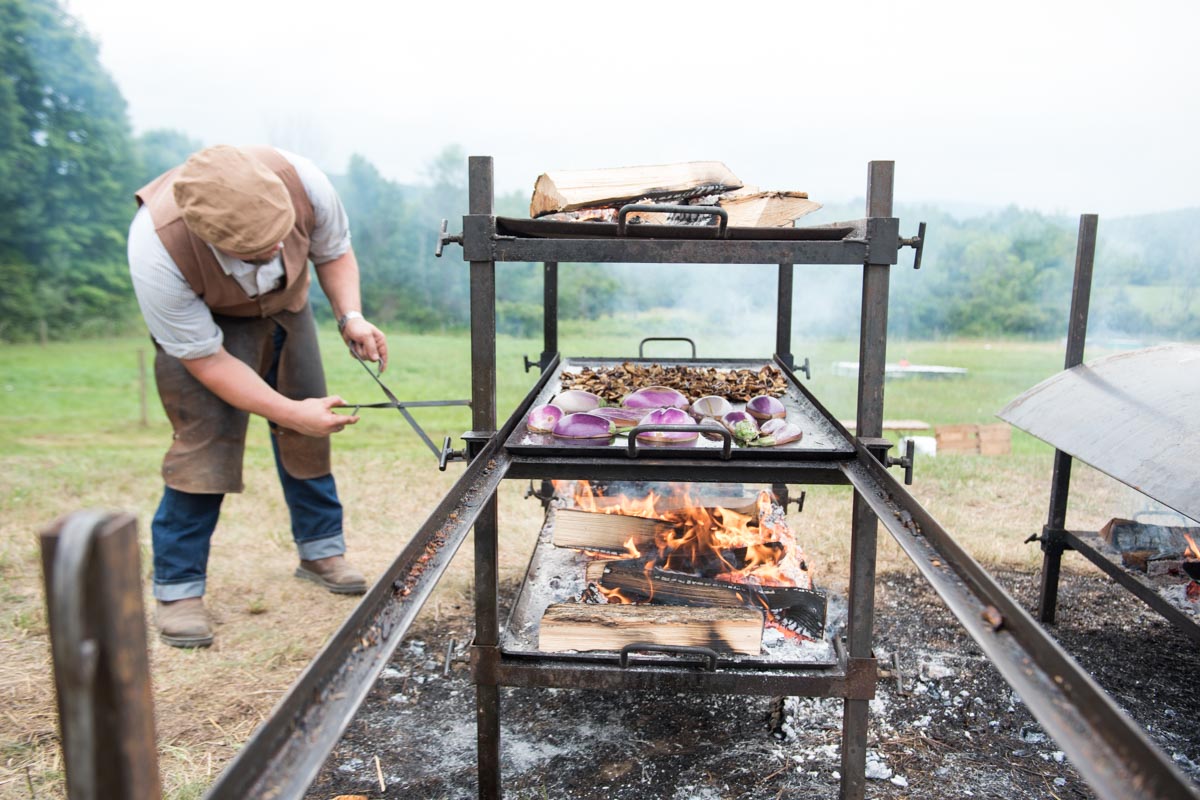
{"x":1192,"y":550}
{"x":751,"y":545}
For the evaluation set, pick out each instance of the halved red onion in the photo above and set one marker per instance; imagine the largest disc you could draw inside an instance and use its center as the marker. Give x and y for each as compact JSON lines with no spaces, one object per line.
{"x":621,"y":417}
{"x":770,"y":426}
{"x":712,"y":406}
{"x":655,"y":397}
{"x":574,"y":401}
{"x":542,"y":419}
{"x":667,"y":416}
{"x":583,"y":426}
{"x":766,"y":407}
{"x":782,"y":434}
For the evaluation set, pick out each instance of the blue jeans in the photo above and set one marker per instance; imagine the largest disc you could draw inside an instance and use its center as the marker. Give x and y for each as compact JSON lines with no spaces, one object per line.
{"x":184,"y":523}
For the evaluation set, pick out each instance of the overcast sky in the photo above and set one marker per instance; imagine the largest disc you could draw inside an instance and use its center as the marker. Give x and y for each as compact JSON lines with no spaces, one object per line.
{"x":1058,"y":106}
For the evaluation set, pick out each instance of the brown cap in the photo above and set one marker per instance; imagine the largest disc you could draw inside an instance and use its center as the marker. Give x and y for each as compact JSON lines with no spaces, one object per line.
{"x":233,"y":201}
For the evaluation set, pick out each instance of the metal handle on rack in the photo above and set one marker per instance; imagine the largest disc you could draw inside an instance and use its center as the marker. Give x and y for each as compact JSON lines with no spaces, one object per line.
{"x":721,"y":214}
{"x":445,"y":238}
{"x":707,"y":653}
{"x":666,"y":339}
{"x":726,"y":445}
{"x":806,"y":368}
{"x":917,"y":243}
{"x":906,"y":461}
{"x":449,"y":454}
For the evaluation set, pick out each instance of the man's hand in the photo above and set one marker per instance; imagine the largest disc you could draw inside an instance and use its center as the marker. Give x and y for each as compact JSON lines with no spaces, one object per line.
{"x":365,"y":340}
{"x":315,"y":416}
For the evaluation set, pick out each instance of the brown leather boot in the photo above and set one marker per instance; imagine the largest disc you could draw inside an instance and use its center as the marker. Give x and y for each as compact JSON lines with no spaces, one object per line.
{"x":335,"y":573}
{"x":183,"y":623}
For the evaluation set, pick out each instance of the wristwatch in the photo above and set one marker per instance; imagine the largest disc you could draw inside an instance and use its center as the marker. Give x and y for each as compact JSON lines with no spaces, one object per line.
{"x":344,"y":318}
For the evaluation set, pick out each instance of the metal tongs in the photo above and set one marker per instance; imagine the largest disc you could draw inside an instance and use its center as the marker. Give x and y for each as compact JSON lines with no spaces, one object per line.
{"x":403,"y":406}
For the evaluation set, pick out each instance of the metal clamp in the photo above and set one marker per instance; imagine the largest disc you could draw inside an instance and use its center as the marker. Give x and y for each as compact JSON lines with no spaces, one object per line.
{"x":445,"y":238}
{"x":726,"y":445}
{"x":721,"y":214}
{"x":707,"y":653}
{"x":917,"y":243}
{"x":906,"y":461}
{"x":666,"y":339}
{"x":448,"y":454}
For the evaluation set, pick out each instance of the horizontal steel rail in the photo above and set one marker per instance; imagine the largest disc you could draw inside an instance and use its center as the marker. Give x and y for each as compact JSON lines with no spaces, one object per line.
{"x":1108,"y":749}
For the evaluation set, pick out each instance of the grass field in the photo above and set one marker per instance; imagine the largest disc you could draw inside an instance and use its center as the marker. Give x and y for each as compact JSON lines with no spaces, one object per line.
{"x":72,"y":437}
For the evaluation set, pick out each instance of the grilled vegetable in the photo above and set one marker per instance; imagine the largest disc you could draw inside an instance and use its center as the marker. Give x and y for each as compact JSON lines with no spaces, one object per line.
{"x":711,"y":406}
{"x":573,"y":401}
{"x":765,"y":407}
{"x":779,"y":434}
{"x":621,"y":417}
{"x":741,"y":425}
{"x":542,"y":419}
{"x":655,"y":397}
{"x":667,"y":416}
{"x":584,"y":426}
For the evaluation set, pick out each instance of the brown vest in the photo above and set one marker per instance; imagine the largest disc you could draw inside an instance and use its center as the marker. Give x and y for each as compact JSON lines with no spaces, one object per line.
{"x":220,"y":292}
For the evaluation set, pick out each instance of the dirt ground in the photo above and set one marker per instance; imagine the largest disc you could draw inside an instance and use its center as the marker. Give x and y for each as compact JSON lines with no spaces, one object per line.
{"x":950,"y":726}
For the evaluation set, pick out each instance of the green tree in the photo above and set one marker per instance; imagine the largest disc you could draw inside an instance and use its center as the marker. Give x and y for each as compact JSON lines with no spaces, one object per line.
{"x":161,"y":149}
{"x":66,"y":173}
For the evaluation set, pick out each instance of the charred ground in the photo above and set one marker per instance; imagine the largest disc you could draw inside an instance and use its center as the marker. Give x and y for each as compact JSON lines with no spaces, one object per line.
{"x":947,"y":726}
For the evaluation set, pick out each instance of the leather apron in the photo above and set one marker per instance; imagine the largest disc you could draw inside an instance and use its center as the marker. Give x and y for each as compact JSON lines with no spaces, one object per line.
{"x":210,"y":435}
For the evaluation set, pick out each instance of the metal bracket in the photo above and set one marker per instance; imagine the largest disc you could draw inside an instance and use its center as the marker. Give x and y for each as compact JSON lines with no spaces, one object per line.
{"x":445,"y":238}
{"x":545,"y":494}
{"x":1051,"y":539}
{"x":917,"y":243}
{"x":879,"y":447}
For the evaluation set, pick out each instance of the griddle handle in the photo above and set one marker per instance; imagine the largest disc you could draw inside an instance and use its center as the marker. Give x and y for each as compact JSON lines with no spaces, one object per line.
{"x":707,"y":653}
{"x":726,"y":445}
{"x":665,"y":339}
{"x":721,"y":214}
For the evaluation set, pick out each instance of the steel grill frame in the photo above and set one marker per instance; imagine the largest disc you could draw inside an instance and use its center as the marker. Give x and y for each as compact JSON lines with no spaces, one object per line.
{"x":285,"y":754}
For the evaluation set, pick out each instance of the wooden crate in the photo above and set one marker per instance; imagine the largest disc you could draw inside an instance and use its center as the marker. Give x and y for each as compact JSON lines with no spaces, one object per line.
{"x":988,"y":440}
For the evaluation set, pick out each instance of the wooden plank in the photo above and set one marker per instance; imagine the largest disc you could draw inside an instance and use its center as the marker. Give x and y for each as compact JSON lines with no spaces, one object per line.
{"x":587,"y":627}
{"x":568,"y":190}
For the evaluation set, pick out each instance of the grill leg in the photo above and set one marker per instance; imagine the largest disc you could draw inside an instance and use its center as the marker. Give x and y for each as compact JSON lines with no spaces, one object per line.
{"x":487,"y":712}
{"x":854,"y":749}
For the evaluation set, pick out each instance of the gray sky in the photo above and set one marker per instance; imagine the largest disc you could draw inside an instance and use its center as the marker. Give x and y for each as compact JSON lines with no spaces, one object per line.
{"x":1058,"y":106}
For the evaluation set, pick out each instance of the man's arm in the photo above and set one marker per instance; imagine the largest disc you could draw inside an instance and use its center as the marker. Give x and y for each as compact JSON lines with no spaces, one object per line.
{"x":240,"y":386}
{"x":339,"y":280}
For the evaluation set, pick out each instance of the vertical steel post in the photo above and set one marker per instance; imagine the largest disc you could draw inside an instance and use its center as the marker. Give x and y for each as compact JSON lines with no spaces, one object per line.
{"x":92,"y":572}
{"x":872,"y":359}
{"x":549,"y":314}
{"x":1060,"y":484}
{"x":783,"y":316}
{"x":483,"y":420}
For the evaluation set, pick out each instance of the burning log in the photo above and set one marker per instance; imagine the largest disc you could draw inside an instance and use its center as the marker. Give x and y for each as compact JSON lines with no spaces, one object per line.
{"x":1161,"y":541}
{"x":798,"y":610}
{"x":584,"y":627}
{"x":606,"y":533}
{"x":568,"y":190}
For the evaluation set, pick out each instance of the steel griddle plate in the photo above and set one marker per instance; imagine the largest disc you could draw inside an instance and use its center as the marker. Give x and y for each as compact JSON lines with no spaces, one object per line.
{"x":821,"y":440}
